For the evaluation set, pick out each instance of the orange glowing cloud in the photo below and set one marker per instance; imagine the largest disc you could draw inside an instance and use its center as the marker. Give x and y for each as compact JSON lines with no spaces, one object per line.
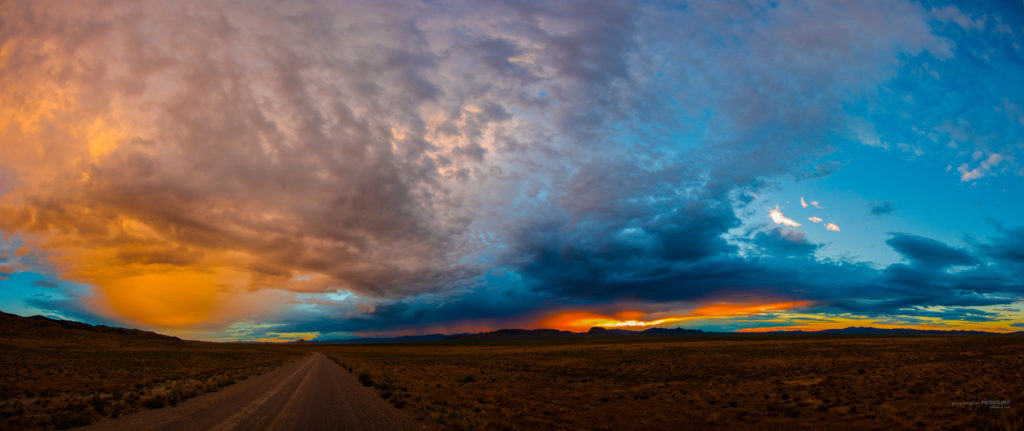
{"x":815,"y":219}
{"x":732,"y":310}
{"x":579,"y":321}
{"x":584,"y":320}
{"x":832,"y":227}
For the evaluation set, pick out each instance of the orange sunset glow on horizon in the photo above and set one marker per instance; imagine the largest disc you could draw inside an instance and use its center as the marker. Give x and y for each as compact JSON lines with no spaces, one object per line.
{"x":582,"y":320}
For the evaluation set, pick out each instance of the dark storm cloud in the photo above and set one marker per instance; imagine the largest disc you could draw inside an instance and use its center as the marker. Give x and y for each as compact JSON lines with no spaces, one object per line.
{"x":924,"y":282}
{"x":928,"y":252}
{"x":898,"y":294}
{"x":1007,"y":248}
{"x":786,"y":268}
{"x":449,"y":317}
{"x":784,"y":242}
{"x":625,"y":247}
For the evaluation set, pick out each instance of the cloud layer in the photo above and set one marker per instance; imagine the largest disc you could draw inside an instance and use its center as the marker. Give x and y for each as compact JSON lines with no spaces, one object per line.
{"x":203,"y":163}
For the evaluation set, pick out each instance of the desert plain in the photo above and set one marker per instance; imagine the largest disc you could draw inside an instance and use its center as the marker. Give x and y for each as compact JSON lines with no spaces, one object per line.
{"x":59,"y":375}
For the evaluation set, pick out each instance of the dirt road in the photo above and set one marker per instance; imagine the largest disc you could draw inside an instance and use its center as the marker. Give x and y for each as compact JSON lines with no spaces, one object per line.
{"x":310,"y":394}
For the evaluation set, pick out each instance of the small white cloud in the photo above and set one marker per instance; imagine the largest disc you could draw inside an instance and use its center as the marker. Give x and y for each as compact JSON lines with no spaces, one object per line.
{"x":832,"y":227}
{"x":815,"y":219}
{"x":802,"y":203}
{"x":968,"y":174}
{"x":815,"y":204}
{"x":778,"y":218}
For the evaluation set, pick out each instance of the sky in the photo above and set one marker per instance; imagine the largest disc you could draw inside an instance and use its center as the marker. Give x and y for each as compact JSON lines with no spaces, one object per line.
{"x":264,"y":170}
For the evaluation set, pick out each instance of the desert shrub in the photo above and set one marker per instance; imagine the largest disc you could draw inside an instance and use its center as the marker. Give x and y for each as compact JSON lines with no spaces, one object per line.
{"x":98,"y":403}
{"x":66,"y":419}
{"x":155,"y":402}
{"x":117,"y":409}
{"x":366,"y":379}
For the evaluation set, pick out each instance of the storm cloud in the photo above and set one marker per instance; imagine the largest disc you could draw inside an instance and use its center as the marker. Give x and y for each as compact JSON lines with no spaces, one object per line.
{"x":403,"y":151}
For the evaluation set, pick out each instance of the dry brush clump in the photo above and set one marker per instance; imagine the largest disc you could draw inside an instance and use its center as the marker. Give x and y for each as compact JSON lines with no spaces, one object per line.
{"x":386,"y":387}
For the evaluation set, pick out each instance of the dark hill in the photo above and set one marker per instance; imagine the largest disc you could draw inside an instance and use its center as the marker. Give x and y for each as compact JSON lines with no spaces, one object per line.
{"x":867,"y":330}
{"x":44,"y":328}
{"x":402,"y":339}
{"x":600,"y":332}
{"x":503,"y":334}
{"x":672,"y":331}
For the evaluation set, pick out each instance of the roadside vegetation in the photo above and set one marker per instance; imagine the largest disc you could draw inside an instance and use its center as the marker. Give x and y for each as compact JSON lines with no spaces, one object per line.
{"x":58,"y":384}
{"x":748,"y":382}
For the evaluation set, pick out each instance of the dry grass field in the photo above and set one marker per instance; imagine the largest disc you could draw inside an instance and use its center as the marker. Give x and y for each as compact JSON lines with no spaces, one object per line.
{"x":705,"y":382}
{"x":57,"y":375}
{"x":55,"y":378}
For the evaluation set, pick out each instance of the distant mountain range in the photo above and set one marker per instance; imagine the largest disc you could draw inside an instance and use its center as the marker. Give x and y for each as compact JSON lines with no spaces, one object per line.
{"x":43,"y":328}
{"x":402,"y":339}
{"x":868,"y":330}
{"x":512,"y":334}
{"x":52,"y":330}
